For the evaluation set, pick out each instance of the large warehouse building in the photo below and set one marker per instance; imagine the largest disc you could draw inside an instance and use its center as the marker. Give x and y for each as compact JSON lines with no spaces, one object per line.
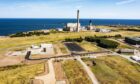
{"x":133,"y":40}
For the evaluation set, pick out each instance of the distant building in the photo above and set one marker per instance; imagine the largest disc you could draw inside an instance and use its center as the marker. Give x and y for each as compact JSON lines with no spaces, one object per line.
{"x":125,"y":51}
{"x":133,"y":40}
{"x":45,"y":30}
{"x":42,"y":49}
{"x":72,"y":27}
{"x":102,"y":30}
{"x":136,"y":56}
{"x":91,"y":27}
{"x":59,"y":29}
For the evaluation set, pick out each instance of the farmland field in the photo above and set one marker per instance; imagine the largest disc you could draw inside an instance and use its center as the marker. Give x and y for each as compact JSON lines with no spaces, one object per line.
{"x":114,"y":70}
{"x":88,"y":46}
{"x":62,"y":47}
{"x":20,"y":74}
{"x":75,"y":73}
{"x":22,"y":41}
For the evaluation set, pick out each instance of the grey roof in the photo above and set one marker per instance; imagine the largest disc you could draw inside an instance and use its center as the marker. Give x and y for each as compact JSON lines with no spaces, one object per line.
{"x":135,"y":38}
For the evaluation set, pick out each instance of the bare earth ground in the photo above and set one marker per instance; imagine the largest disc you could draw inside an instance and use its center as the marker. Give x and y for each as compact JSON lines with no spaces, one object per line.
{"x":57,"y":50}
{"x":11,"y":60}
{"x":59,"y":72}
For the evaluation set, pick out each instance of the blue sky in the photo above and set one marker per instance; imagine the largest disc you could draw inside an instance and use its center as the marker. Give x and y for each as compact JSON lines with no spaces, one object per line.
{"x":104,"y":9}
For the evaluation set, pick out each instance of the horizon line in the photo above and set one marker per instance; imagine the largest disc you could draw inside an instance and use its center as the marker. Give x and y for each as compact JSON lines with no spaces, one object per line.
{"x":74,"y":18}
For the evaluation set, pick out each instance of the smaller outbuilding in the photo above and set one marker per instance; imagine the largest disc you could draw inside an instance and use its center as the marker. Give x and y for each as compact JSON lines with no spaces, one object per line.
{"x":136,"y":56}
{"x":59,"y":29}
{"x":125,"y":51}
{"x":102,"y":30}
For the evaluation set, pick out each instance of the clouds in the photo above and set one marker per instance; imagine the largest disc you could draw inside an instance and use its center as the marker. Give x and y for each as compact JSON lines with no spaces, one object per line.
{"x":67,"y":8}
{"x":122,"y":2}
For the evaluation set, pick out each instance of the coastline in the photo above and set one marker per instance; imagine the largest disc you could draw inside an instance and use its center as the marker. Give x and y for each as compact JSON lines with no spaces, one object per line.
{"x":12,"y":26}
{"x":4,"y":36}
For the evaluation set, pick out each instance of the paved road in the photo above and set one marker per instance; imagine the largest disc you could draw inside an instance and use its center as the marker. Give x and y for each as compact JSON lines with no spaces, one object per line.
{"x":89,"y":72}
{"x":50,"y":77}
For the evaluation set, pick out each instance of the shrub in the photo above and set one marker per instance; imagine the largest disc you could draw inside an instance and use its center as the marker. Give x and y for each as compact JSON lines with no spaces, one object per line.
{"x":118,"y":35}
{"x":31,"y":33}
{"x":102,"y":42}
{"x":74,"y":39}
{"x":91,"y":39}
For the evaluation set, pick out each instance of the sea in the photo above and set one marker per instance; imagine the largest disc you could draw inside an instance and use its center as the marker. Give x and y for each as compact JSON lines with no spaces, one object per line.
{"x":10,"y":26}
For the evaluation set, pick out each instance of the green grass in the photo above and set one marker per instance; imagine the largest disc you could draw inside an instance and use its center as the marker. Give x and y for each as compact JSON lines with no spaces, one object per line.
{"x":21,"y":41}
{"x":88,"y":46}
{"x":75,"y":73}
{"x":115,"y":70}
{"x":20,"y":74}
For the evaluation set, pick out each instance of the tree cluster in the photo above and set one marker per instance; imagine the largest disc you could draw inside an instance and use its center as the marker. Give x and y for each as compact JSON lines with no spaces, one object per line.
{"x":26,"y":34}
{"x":102,"y":42}
{"x":80,"y":39}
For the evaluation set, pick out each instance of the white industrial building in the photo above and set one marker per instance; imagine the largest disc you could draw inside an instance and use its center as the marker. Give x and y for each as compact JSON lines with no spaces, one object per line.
{"x":72,"y":27}
{"x":102,"y":30}
{"x":42,"y":49}
{"x":59,"y":29}
{"x":136,"y":56}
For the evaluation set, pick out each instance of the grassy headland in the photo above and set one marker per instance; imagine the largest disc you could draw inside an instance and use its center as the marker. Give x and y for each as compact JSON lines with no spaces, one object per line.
{"x":115,"y":70}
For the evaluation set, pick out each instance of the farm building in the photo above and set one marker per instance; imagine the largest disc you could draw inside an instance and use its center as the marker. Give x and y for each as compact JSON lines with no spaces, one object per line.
{"x":134,"y":40}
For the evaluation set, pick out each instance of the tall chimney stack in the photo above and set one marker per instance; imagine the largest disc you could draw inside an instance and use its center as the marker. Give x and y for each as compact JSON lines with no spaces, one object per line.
{"x":78,"y":29}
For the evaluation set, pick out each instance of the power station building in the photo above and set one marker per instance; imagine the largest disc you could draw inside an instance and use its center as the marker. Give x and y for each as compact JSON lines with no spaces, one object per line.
{"x":74,"y":27}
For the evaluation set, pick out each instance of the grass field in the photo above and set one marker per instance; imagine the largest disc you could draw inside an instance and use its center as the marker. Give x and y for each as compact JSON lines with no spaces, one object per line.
{"x":75,"y":73}
{"x":115,"y":70}
{"x":21,"y":41}
{"x":20,"y":74}
{"x":88,"y":46}
{"x":62,"y":47}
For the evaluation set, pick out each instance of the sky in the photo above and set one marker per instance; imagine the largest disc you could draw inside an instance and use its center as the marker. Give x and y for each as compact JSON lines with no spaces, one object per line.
{"x":98,"y":9}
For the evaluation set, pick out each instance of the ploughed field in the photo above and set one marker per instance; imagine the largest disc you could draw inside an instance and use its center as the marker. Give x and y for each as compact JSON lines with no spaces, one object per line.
{"x":114,"y":70}
{"x":73,"y":47}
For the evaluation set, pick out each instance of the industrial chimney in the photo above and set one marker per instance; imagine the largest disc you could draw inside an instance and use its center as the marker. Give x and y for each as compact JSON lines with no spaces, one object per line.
{"x":78,"y":28}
